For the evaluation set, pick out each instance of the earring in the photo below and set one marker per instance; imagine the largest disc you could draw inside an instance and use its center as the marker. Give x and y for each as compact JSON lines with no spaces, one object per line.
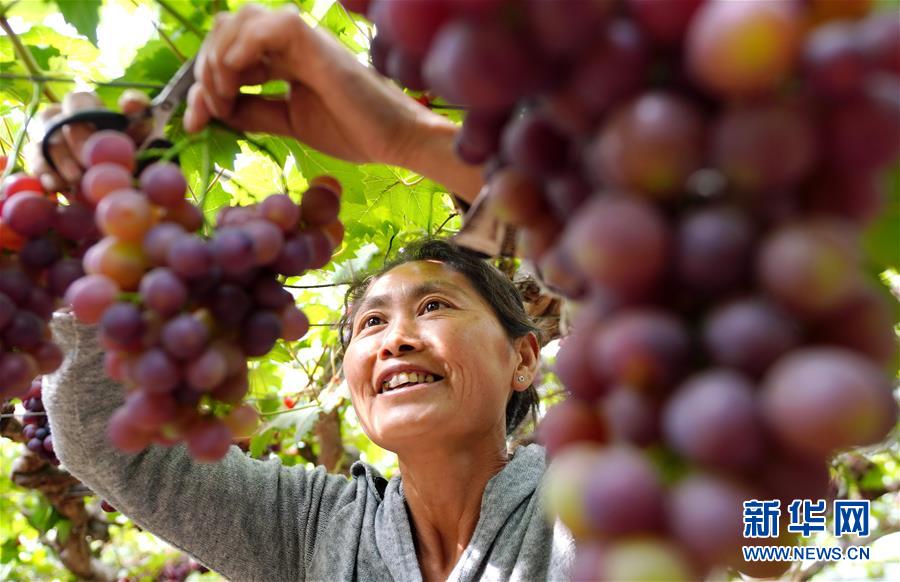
{"x":521,"y":378}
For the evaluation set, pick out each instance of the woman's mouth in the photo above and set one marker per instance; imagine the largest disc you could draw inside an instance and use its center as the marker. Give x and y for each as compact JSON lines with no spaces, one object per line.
{"x":406,"y":382}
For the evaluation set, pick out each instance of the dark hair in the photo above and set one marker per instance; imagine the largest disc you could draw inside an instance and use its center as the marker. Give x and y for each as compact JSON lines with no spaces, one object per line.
{"x":496,"y":289}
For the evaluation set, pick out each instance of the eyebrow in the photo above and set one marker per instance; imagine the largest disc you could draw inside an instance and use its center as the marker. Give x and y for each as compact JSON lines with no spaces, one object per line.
{"x":380,"y":301}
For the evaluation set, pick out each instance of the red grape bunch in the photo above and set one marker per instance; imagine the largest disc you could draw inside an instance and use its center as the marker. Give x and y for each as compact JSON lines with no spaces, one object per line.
{"x":697,"y":175}
{"x":36,"y":428}
{"x":179,"y":313}
{"x":42,"y":239}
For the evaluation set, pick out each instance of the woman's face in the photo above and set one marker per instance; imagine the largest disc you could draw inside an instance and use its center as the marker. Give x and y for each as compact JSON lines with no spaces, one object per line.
{"x":425,"y":315}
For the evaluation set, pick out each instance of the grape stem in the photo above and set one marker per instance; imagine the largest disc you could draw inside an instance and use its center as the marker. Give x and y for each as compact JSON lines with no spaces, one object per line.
{"x":56,"y":79}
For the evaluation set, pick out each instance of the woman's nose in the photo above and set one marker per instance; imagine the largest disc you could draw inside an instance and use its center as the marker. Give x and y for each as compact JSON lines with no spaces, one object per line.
{"x":401,"y":336}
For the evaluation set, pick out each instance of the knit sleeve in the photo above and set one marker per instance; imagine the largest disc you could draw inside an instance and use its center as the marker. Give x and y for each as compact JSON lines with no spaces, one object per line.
{"x":243,"y":518}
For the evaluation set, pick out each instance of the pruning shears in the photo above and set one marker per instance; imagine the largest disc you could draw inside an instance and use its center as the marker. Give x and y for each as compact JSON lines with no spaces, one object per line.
{"x":161,"y":109}
{"x":483,"y":232}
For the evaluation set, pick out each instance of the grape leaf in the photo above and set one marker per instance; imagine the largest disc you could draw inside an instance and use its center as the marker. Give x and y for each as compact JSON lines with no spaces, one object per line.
{"x":84,"y":15}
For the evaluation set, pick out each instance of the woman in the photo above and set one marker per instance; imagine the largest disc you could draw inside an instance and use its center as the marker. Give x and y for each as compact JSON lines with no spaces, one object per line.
{"x":461,"y":508}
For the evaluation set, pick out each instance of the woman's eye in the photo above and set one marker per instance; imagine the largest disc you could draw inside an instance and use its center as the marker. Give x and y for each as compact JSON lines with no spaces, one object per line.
{"x":371,"y":318}
{"x":433,"y":302}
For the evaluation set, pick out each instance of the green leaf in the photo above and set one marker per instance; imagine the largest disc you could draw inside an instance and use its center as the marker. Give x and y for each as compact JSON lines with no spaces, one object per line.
{"x":301,"y":420}
{"x":9,"y":550}
{"x":881,"y":241}
{"x":260,"y":442}
{"x":63,"y":529}
{"x":84,"y":15}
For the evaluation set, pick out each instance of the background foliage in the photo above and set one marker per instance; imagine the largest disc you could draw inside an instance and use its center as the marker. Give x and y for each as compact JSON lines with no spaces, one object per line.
{"x":110,"y":45}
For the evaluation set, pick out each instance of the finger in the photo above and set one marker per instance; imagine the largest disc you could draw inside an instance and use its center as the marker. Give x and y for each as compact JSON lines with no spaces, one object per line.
{"x":270,"y":33}
{"x":34,"y":159}
{"x":76,"y":134}
{"x":259,"y":114}
{"x":196,"y":116}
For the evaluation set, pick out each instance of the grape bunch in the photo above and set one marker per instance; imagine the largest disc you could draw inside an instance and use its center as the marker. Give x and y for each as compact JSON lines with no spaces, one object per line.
{"x":696,"y":174}
{"x":36,"y":428}
{"x":180,"y":313}
{"x":42,"y":239}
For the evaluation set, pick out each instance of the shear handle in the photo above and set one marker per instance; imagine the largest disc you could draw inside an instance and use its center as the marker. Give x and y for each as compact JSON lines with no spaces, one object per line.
{"x":101,"y":118}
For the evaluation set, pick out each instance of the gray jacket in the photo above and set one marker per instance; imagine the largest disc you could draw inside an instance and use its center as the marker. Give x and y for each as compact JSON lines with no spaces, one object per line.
{"x":259,"y":520}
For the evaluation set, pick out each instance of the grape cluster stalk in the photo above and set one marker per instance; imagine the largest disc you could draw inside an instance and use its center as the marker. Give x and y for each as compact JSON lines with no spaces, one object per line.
{"x":696,"y":175}
{"x":179,"y":313}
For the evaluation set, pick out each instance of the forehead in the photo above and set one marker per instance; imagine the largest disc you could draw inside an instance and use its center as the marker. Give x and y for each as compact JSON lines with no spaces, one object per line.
{"x":406,"y":278}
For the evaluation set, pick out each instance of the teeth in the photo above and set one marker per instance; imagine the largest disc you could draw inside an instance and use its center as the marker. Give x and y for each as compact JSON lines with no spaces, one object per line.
{"x":404,"y":377}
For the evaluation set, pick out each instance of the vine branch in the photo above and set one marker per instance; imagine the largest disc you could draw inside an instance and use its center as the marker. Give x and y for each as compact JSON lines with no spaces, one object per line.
{"x":164,"y":4}
{"x":26,"y":56}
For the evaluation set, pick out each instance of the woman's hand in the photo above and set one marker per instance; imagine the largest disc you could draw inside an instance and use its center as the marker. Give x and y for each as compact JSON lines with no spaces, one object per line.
{"x":335,"y":104}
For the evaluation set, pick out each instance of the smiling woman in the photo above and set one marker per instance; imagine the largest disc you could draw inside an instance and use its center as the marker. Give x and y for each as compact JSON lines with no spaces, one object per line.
{"x":440,"y":357}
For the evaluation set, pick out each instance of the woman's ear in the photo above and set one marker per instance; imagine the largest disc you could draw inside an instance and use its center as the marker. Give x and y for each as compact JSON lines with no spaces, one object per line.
{"x":529,"y":350}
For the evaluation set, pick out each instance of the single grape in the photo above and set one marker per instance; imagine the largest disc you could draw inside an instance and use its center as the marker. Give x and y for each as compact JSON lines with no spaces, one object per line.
{"x":108,"y":146}
{"x":30,"y":214}
{"x":232,"y":250}
{"x":665,"y":23}
{"x":705,"y":513}
{"x":209,"y":440}
{"x":163,"y":291}
{"x":122,"y":324}
{"x":267,"y":240}
{"x":259,"y":333}
{"x":90,"y":296}
{"x":714,"y":248}
{"x":651,"y":144}
{"x":480,"y":64}
{"x":319,"y":206}
{"x":563,"y":28}
{"x":39,"y":253}
{"x":185,"y":337}
{"x":164,"y":184}
{"x":121,"y":261}
{"x":75,"y":222}
{"x":102,"y":179}
{"x":149,"y":411}
{"x":207,"y":371}
{"x":15,"y":285}
{"x":810,"y":267}
{"x":645,"y":349}
{"x":532,"y":144}
{"x":749,"y":335}
{"x":516,"y":197}
{"x":125,"y":214}
{"x":820,"y":400}
{"x":294,"y":323}
{"x":185,"y":214}
{"x":569,"y":422}
{"x":124,"y":434}
{"x":712,"y":419}
{"x":189,"y":257}
{"x":280,"y":210}
{"x":619,"y":244}
{"x":761,"y":147}
{"x":25,"y":331}
{"x":479,"y":137}
{"x":158,"y":240}
{"x":624,"y":494}
{"x":742,"y":48}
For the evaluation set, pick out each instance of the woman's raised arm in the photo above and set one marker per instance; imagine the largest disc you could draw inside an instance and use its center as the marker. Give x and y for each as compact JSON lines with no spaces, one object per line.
{"x":243,"y":518}
{"x":335,"y":105}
